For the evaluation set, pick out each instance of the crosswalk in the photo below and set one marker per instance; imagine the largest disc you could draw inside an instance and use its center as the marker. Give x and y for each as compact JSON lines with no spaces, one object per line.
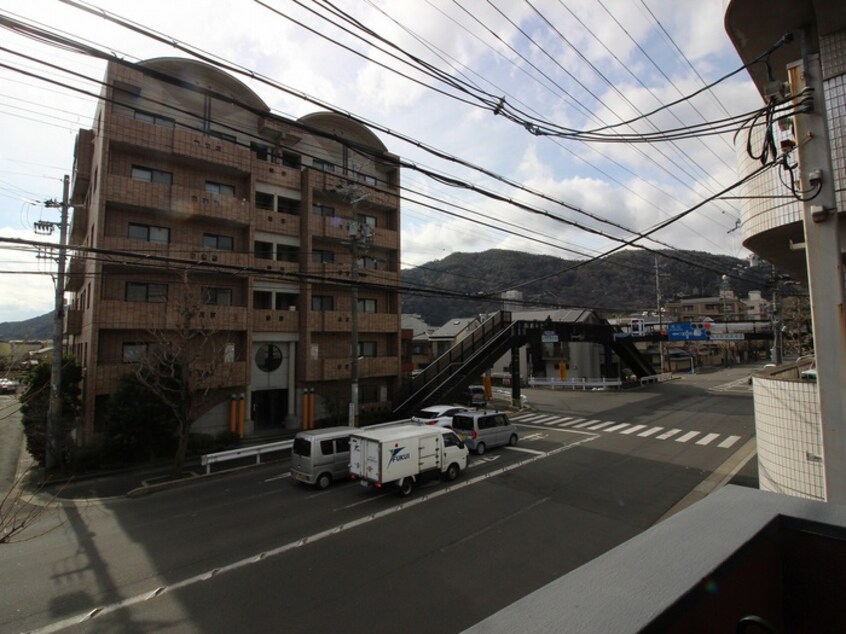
{"x":697,"y":438}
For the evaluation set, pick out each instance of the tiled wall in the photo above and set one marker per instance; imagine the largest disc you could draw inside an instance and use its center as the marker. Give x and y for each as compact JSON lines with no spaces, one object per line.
{"x":833,"y":59}
{"x":787,"y":424}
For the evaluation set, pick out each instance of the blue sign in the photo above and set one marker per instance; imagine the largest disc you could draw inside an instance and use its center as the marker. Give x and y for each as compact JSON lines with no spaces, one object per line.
{"x":686,"y":332}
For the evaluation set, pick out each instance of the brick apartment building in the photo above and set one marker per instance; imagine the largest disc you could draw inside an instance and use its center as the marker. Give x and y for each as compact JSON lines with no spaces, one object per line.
{"x":188,"y":189}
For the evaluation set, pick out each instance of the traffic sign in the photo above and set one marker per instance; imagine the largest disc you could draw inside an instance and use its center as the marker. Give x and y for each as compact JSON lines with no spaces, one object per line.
{"x":684,"y":331}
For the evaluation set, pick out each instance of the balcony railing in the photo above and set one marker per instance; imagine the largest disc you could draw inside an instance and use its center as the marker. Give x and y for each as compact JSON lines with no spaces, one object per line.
{"x":276,"y":320}
{"x":165,"y":316}
{"x":183,"y":201}
{"x":226,"y":375}
{"x":339,"y":368}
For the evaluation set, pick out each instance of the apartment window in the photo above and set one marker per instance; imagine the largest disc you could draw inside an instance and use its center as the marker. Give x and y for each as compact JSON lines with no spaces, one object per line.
{"x":365,"y":178}
{"x":149,"y":175}
{"x":322,"y":302}
{"x":367,"y":305}
{"x":262,"y":300}
{"x":285,"y":301}
{"x":155,"y":119}
{"x":223,"y":135}
{"x":214,"y":241}
{"x":288,"y":206}
{"x":263,"y":250}
{"x":367,"y":263}
{"x":367,"y":348}
{"x":369,"y":221}
{"x":133,"y":352}
{"x":223,"y":189}
{"x":287,"y":253}
{"x":144,"y":292}
{"x":289,"y":159}
{"x":326,"y":166}
{"x":323,"y":210}
{"x":149,"y":233}
{"x":264,"y":201}
{"x":321,"y":255}
{"x":261,"y":151}
{"x":218,"y":296}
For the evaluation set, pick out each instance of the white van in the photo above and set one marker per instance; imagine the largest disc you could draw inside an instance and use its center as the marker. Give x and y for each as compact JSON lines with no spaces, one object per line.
{"x":321,"y":456}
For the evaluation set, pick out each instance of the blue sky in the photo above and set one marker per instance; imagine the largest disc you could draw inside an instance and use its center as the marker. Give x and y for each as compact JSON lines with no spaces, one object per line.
{"x":573,"y":63}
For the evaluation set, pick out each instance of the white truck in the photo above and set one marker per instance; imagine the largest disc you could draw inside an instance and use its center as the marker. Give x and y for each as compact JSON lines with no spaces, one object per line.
{"x":403,"y":455}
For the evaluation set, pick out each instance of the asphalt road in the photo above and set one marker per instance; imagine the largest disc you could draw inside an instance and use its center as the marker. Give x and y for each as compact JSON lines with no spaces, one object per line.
{"x":254,"y":551}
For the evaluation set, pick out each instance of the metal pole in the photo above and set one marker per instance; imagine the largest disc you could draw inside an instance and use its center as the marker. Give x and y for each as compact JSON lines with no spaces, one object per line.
{"x":353,"y":419}
{"x":825,"y":274}
{"x":660,"y":316}
{"x":55,"y":440}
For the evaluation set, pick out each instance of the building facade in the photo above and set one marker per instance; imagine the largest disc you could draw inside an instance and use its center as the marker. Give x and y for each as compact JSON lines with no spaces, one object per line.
{"x":799,"y":422}
{"x":197,"y":210}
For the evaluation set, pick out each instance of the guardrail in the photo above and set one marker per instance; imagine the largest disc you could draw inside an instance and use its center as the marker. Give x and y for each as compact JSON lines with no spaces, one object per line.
{"x":233,"y":454}
{"x":573,"y":384}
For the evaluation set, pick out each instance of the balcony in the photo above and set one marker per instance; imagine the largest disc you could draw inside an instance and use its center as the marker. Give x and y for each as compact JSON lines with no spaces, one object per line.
{"x":341,"y":321}
{"x":118,"y":314}
{"x":76,"y":274}
{"x":227,"y":375}
{"x":338,"y":369}
{"x":276,"y":321}
{"x":333,"y":183}
{"x":738,"y":553}
{"x":83,"y":154}
{"x":275,"y":222}
{"x":73,"y":322}
{"x":185,"y":202}
{"x":196,"y":146}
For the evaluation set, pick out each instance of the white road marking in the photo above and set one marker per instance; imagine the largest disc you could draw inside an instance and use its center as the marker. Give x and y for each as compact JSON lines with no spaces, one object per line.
{"x":618,"y":427}
{"x":707,"y":440}
{"x":572,"y":422}
{"x":524,"y":450}
{"x":590,"y":422}
{"x":279,"y":477}
{"x":545,"y":420}
{"x":601,"y":426}
{"x":649,"y":432}
{"x":728,"y":442}
{"x":668,"y":434}
{"x":633,"y":429}
{"x":687,"y":436}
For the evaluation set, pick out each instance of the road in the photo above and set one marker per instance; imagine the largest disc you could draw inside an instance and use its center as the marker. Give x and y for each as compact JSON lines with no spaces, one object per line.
{"x":254,"y":551}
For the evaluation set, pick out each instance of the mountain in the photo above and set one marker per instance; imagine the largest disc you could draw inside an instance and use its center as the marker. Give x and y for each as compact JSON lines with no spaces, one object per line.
{"x":39,"y":328}
{"x":623,"y":282}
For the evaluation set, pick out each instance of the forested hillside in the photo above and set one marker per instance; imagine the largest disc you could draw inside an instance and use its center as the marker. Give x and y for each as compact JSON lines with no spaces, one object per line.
{"x":621,"y":283}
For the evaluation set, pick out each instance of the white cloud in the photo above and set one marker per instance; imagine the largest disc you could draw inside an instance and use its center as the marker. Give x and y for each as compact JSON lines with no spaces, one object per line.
{"x":619,"y":183}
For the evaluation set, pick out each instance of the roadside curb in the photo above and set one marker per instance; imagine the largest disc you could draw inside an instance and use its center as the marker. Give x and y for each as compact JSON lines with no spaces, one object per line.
{"x":718,"y":478}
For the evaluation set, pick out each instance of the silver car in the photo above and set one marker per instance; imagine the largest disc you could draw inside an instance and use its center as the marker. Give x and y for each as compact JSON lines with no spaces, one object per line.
{"x":481,"y":429}
{"x":321,"y":456}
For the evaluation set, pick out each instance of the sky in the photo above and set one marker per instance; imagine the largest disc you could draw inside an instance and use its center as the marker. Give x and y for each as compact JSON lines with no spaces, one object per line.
{"x":575,"y":64}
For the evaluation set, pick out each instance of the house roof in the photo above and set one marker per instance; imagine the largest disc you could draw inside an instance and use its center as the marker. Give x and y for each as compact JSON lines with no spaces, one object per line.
{"x":418,"y":327}
{"x":453,"y":327}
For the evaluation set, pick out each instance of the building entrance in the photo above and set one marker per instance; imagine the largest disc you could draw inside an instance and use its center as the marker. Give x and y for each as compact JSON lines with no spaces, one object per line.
{"x":270,"y":408}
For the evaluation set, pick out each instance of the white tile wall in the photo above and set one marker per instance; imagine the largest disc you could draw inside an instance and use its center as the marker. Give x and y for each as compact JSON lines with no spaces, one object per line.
{"x":789,"y":437}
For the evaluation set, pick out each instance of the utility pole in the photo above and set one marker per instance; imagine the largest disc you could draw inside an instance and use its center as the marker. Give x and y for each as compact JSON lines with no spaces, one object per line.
{"x":54,"y":438}
{"x":775,"y":321}
{"x":660,"y":315}
{"x":825,"y":269}
{"x":360,"y":235}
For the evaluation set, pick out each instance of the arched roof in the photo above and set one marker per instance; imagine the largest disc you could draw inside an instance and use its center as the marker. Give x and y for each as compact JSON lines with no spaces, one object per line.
{"x":206,"y":76}
{"x":344,"y":127}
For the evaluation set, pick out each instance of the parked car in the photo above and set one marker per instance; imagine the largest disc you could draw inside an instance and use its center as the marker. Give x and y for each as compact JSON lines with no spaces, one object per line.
{"x":439,"y":415}
{"x":475,"y":396}
{"x":8,"y":386}
{"x":321,"y":456}
{"x":481,"y":429}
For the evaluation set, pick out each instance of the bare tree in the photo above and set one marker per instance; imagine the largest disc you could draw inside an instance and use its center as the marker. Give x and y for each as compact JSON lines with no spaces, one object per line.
{"x":18,"y":514}
{"x":184,"y":365}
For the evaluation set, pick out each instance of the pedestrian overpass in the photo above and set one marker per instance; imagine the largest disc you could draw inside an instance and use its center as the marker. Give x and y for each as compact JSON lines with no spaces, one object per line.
{"x":448,"y":376}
